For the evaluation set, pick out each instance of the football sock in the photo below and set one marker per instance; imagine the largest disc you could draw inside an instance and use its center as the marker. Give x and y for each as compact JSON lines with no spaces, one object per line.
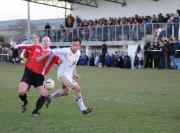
{"x":55,"y":94}
{"x":23,"y":98}
{"x":40,"y":102}
{"x":80,"y":102}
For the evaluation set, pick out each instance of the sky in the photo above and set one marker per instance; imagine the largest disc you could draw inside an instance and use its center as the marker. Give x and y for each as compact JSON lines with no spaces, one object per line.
{"x":17,"y":9}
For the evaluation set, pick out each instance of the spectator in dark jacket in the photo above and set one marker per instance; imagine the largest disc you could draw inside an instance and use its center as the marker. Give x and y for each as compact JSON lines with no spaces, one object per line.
{"x":171,"y":54}
{"x":177,"y":54}
{"x":108,"y":59}
{"x":91,"y":60}
{"x":47,"y":29}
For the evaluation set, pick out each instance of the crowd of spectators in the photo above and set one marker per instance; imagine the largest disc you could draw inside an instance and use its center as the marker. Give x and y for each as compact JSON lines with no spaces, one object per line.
{"x":7,"y":54}
{"x":160,"y":18}
{"x":118,"y":28}
{"x":161,"y":54}
{"x":164,"y":53}
{"x":117,"y":59}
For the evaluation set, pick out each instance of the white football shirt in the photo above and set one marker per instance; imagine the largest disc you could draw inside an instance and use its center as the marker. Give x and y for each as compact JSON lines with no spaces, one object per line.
{"x":68,"y":61}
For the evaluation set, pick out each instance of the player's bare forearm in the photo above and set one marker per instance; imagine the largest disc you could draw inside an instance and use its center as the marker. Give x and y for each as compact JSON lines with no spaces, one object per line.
{"x":40,"y":58}
{"x":24,"y":46}
{"x":75,"y":75}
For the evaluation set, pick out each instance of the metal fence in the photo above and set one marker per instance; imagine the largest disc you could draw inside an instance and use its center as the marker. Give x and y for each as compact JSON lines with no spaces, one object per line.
{"x":4,"y":57}
{"x":112,"y":32}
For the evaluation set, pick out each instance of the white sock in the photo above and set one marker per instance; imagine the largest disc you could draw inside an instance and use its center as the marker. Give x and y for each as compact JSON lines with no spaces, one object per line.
{"x":55,"y":94}
{"x":80,"y":102}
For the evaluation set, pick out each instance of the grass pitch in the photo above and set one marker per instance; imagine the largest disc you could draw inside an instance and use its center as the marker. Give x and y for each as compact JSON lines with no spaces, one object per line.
{"x":124,"y":101}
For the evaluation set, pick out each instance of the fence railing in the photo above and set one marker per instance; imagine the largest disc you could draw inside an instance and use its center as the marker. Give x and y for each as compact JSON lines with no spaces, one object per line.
{"x":112,"y":32}
{"x":4,"y":57}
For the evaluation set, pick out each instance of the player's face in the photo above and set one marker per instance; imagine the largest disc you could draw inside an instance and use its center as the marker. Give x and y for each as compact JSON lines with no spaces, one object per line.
{"x":75,"y":46}
{"x":35,"y":40}
{"x":46,"y":42}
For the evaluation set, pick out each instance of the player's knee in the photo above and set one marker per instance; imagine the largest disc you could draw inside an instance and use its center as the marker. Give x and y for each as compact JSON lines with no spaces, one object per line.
{"x":77,"y":88}
{"x":23,"y":88}
{"x":64,"y":91}
{"x":42,"y":91}
{"x":45,"y":94}
{"x":22,"y":92}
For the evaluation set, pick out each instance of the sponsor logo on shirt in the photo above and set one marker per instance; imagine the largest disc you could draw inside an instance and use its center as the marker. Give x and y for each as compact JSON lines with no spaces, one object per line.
{"x":37,"y":50}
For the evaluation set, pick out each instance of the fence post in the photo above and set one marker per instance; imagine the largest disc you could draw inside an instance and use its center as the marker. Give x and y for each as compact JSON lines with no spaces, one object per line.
{"x":166,"y":30}
{"x":109,"y":33}
{"x":72,"y":33}
{"x":129,"y":32}
{"x":96,"y":33}
{"x":102,"y":38}
{"x":83,"y":34}
{"x":137,"y":25}
{"x":144,"y":31}
{"x":115,"y":32}
{"x":78,"y":32}
{"x":152,"y":29}
{"x":122,"y":32}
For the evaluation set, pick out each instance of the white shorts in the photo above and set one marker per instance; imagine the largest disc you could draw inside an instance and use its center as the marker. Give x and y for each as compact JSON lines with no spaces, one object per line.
{"x":68,"y":81}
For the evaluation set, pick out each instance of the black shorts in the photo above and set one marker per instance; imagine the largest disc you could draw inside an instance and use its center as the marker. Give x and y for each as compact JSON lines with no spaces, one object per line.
{"x":32,"y":78}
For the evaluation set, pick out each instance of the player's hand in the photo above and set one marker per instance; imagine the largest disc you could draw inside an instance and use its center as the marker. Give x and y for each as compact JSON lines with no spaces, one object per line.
{"x":23,"y":60}
{"x":13,"y":44}
{"x":59,"y":61}
{"x":76,"y":76}
{"x":40,"y":58}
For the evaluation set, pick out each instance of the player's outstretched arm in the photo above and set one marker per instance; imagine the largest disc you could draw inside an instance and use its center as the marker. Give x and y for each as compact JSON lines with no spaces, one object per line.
{"x":23,"y":46}
{"x":40,"y":58}
{"x":75,"y":75}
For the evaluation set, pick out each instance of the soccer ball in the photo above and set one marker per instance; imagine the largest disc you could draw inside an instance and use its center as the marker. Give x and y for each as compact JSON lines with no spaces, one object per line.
{"x":49,"y":84}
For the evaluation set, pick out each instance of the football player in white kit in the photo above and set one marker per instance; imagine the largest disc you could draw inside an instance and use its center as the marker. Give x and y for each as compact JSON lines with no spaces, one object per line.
{"x":67,"y":73}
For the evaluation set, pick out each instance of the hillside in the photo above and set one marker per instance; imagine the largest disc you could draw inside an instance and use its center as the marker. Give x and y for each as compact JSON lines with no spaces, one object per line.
{"x":5,"y":25}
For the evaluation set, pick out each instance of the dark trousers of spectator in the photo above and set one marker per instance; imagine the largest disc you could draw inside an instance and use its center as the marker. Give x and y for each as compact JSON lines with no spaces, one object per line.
{"x":161,"y":61}
{"x":145,"y":60}
{"x":103,"y":60}
{"x":155,"y":60}
{"x":167,"y":60}
{"x":148,"y":60}
{"x":48,"y":33}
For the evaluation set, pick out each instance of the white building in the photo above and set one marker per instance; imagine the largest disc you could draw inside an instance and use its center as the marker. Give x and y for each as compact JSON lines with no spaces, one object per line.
{"x":140,"y":7}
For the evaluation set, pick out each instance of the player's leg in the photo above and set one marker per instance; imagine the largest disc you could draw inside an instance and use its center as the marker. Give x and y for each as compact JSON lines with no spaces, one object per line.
{"x":69,"y":82}
{"x":66,"y":85}
{"x":41,"y":100}
{"x":37,"y":82}
{"x":61,"y":92}
{"x":79,"y":100}
{"x":23,"y":88}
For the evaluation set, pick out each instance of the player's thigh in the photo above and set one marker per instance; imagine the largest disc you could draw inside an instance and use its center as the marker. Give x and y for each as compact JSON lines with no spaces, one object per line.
{"x":25,"y":82}
{"x":37,"y":82}
{"x":42,"y":91}
{"x":70,"y":83}
{"x":23,"y":87}
{"x":67,"y":82}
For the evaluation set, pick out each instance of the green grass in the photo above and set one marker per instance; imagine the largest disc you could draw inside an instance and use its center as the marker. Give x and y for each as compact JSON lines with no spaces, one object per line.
{"x":124,"y":101}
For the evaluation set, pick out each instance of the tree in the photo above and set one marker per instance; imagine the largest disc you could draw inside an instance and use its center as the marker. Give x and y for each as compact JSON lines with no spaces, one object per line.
{"x":21,"y":27}
{"x":2,"y":40}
